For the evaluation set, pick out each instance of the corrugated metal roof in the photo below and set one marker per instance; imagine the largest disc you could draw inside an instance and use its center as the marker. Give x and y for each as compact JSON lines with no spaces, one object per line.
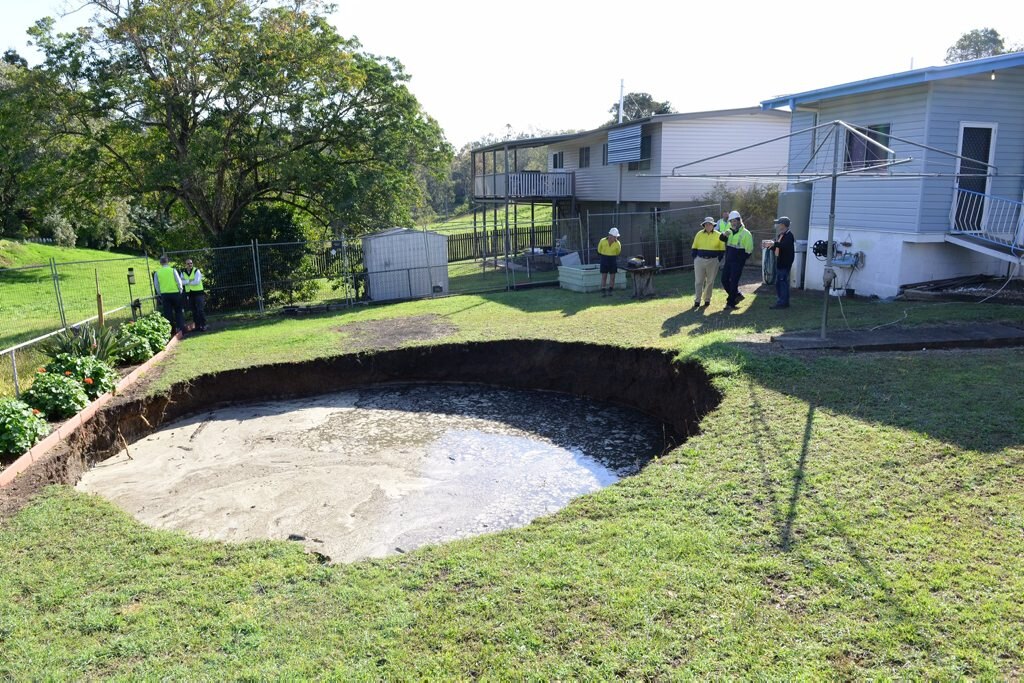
{"x":899,"y":80}
{"x":398,"y":231}
{"x":527,"y":143}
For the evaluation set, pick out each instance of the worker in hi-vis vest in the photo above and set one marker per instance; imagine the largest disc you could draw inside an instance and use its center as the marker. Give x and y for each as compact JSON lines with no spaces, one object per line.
{"x":739,"y":245}
{"x":723,"y":222}
{"x":167,"y":284}
{"x":192,"y":279}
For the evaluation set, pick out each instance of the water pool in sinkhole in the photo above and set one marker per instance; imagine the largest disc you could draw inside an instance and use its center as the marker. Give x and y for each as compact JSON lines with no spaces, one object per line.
{"x":376,"y":471}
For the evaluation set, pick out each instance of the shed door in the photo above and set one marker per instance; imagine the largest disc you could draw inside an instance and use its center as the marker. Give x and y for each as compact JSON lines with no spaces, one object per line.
{"x":972,"y":177}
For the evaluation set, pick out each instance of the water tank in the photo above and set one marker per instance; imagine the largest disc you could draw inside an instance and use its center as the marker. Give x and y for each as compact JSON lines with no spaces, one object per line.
{"x":796,"y":203}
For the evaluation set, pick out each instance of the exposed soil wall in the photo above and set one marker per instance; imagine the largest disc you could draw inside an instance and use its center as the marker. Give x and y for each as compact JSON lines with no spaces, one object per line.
{"x":648,"y":380}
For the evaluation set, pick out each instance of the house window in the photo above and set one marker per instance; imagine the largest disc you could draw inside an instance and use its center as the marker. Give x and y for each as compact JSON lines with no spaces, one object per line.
{"x":584,"y":157}
{"x":558,"y":160}
{"x":604,"y":154}
{"x":862,"y":154}
{"x":645,"y":156}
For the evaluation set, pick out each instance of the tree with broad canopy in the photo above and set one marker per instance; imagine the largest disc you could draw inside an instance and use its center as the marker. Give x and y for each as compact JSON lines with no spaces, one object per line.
{"x":218,"y":106}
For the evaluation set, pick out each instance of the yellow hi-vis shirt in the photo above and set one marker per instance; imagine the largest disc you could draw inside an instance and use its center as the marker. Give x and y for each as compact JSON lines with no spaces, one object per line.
{"x":605,"y":248}
{"x":741,"y":239}
{"x":708,"y":241}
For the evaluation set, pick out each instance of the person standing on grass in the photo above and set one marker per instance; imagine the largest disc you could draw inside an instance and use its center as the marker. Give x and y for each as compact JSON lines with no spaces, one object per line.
{"x":169,"y":288}
{"x":707,"y":251}
{"x":739,"y":245}
{"x":192,"y":279}
{"x":609,"y":249}
{"x":784,"y":247}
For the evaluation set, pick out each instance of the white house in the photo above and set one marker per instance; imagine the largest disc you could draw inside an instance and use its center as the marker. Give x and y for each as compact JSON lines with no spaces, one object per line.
{"x":637,"y":171}
{"x":951,"y":207}
{"x":627,"y":169}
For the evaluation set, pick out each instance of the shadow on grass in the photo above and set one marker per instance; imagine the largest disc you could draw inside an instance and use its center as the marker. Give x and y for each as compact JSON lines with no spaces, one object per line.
{"x":935,"y":393}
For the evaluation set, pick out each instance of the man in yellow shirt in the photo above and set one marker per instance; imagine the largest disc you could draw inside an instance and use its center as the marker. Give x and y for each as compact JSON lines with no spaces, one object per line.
{"x":609,"y":248}
{"x":707,"y":251}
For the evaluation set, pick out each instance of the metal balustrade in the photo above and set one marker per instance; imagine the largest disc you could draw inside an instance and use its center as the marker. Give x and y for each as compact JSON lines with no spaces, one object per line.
{"x":993,"y":219}
{"x":524,"y":184}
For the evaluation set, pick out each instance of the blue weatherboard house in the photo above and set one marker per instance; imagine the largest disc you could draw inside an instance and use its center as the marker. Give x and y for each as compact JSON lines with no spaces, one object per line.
{"x":950,"y":207}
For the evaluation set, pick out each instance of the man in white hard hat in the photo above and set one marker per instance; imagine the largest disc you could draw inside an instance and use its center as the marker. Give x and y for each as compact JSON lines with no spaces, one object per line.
{"x":609,"y":249}
{"x":739,"y":245}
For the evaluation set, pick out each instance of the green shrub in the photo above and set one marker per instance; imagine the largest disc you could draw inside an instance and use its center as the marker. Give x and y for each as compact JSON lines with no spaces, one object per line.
{"x":21,"y":427}
{"x":85,"y":340}
{"x":134,"y":349}
{"x":143,"y":338}
{"x":57,"y":396}
{"x":97,"y":377}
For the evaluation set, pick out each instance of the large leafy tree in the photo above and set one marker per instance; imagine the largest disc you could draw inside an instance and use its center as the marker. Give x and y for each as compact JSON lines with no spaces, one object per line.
{"x":47,"y":183}
{"x":981,"y":42}
{"x":220,"y":106}
{"x":639,"y":105}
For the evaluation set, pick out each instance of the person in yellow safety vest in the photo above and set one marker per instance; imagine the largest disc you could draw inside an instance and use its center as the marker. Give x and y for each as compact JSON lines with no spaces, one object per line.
{"x":739,"y":245}
{"x":192,"y":279}
{"x":609,"y":249}
{"x":723,"y":222}
{"x":167,"y":284}
{"x":707,"y":252}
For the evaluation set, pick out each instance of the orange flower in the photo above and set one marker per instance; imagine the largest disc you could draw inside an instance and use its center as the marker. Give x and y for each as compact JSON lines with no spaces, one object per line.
{"x":36,"y":412}
{"x":88,"y":380}
{"x":67,"y":373}
{"x":42,"y":370}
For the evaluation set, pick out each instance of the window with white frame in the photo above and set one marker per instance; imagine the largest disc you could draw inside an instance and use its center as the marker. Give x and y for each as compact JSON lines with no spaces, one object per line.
{"x":645,"y":156}
{"x":558,"y":160}
{"x":604,"y":154}
{"x":584,"y":160}
{"x":860,"y":153}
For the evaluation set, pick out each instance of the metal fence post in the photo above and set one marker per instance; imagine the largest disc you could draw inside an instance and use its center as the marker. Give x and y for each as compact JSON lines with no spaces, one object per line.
{"x":14,"y":374}
{"x":255,"y":246}
{"x":657,"y":240}
{"x":56,"y":293}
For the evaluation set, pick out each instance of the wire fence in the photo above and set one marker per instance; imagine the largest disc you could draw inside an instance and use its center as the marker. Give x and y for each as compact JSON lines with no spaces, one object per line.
{"x":458,"y":257}
{"x":660,"y":236}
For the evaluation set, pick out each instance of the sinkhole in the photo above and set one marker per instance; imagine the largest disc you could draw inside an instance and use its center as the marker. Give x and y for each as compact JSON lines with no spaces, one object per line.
{"x":380,"y":470}
{"x":369,"y":454}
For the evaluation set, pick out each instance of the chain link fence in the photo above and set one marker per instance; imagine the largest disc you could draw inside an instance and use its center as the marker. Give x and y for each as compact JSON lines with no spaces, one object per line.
{"x":661,"y":235}
{"x":457,"y":257}
{"x":38,"y":301}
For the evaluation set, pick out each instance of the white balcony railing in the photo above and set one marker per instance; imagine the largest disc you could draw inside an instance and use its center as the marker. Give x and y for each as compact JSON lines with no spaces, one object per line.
{"x":524,"y":184}
{"x":992,"y":219}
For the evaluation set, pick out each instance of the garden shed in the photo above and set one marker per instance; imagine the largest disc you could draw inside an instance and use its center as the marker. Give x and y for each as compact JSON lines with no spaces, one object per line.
{"x":402,"y":263}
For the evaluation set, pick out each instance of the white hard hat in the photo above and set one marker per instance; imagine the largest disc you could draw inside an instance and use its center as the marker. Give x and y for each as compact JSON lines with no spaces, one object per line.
{"x":735,"y":214}
{"x":614,"y":232}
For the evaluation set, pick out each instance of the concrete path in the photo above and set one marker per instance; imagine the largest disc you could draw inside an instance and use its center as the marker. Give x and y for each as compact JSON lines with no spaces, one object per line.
{"x":972,"y":336}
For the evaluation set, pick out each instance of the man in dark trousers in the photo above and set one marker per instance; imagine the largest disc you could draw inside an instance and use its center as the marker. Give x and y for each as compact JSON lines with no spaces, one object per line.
{"x":192,"y":279}
{"x":739,"y":244}
{"x":783,"y":246}
{"x":167,"y":284}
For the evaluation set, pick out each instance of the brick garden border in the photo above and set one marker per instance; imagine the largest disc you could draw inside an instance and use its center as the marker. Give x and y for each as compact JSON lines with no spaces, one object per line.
{"x":66,"y":429}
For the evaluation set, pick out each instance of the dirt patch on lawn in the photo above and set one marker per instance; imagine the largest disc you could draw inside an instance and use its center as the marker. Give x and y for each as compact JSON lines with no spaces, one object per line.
{"x":391,"y":333}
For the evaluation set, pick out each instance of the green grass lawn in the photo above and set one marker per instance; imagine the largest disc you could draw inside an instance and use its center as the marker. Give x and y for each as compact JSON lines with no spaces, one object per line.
{"x":839,"y":516}
{"x":28,"y":298}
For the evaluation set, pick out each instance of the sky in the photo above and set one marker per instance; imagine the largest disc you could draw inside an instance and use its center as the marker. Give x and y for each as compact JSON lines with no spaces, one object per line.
{"x":529,"y":66}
